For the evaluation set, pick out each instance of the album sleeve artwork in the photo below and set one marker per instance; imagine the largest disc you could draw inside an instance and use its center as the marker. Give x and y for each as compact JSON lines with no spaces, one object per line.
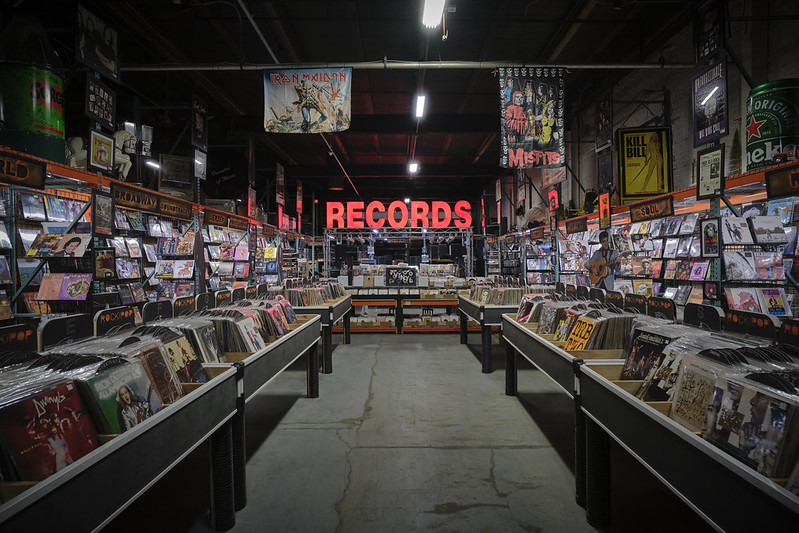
{"x":532,"y":122}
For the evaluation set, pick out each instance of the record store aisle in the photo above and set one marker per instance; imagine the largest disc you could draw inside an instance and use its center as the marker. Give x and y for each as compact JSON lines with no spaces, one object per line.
{"x":407,"y":435}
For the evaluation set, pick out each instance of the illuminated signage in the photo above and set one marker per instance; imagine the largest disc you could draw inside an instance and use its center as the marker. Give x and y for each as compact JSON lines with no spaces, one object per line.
{"x":398,"y":214}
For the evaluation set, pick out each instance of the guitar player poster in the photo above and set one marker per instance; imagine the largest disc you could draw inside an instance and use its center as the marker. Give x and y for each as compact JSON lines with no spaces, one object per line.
{"x":602,"y":264}
{"x":644,"y":162}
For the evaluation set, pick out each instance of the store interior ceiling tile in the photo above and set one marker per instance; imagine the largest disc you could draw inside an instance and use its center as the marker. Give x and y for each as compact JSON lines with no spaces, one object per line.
{"x":171,"y":49}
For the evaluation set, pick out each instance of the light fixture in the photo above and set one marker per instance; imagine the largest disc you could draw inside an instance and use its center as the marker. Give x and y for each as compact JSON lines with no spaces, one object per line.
{"x":336,"y":184}
{"x":407,"y":200}
{"x":153,"y":164}
{"x":433,"y":11}
{"x":420,"y":106}
{"x":413,"y":167}
{"x":198,"y":162}
{"x":716,"y":88}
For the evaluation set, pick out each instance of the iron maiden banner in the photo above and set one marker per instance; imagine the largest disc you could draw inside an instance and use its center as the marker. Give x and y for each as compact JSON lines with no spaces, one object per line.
{"x":307,"y":100}
{"x":531,"y":104}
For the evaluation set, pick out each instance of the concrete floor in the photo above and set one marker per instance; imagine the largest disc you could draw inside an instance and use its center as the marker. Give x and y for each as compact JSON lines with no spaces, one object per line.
{"x":409,"y":435}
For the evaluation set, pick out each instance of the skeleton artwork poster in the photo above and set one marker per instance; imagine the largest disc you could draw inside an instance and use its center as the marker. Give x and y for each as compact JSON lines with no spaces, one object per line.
{"x":307,"y":100}
{"x":531,"y":107}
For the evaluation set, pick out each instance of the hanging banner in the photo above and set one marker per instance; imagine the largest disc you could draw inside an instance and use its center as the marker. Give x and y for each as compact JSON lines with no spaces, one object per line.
{"x":280,"y":185}
{"x":644,"y":161}
{"x":307,"y":100}
{"x":709,"y":91}
{"x":299,"y":197}
{"x":531,"y":126}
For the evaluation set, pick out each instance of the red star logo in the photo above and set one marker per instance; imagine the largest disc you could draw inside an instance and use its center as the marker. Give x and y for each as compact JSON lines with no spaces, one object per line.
{"x":753,"y":129}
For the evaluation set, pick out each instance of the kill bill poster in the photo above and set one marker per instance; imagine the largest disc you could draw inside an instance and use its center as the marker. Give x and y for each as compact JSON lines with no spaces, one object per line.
{"x":307,"y":100}
{"x":531,"y":107}
{"x":644,"y":161}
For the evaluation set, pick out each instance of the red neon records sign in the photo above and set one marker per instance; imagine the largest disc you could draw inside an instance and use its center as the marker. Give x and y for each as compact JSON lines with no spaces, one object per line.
{"x":398,"y":214}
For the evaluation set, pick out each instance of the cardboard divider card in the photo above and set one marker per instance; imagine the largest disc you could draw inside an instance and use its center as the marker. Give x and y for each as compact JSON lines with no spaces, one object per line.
{"x":19,"y":338}
{"x":636,"y":301}
{"x":205,"y":300}
{"x":756,"y":324}
{"x":107,"y":319}
{"x":154,"y":310}
{"x":662,"y":308}
{"x":183,"y":305}
{"x":54,"y":330}
{"x":707,"y":316}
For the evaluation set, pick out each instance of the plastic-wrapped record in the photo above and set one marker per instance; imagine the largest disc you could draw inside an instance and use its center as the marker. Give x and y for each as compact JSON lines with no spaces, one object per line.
{"x":738,"y":266}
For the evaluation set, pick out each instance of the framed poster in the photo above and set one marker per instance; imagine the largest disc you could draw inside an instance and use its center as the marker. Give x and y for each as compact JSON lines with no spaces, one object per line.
{"x":102,"y":213}
{"x":199,"y":124}
{"x":644,"y":161}
{"x":104,"y":263}
{"x":710,"y":172}
{"x":604,"y":120}
{"x":100,"y":102}
{"x":96,"y":44}
{"x":708,"y":31}
{"x":710,"y":238}
{"x":175,"y":170}
{"x":709,"y":96}
{"x":101,"y":152}
{"x":200,"y":164}
{"x":552,"y":196}
{"x":604,"y":210}
{"x":604,"y":169}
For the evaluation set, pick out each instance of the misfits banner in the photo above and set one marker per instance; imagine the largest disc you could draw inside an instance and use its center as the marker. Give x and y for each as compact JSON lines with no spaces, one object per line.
{"x":531,"y":103}
{"x":307,"y":100}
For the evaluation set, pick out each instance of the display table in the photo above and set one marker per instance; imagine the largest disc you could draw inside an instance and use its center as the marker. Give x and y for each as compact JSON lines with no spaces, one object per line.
{"x":726,"y":493}
{"x":487,"y":316}
{"x":330,"y":315}
{"x":90,"y":492}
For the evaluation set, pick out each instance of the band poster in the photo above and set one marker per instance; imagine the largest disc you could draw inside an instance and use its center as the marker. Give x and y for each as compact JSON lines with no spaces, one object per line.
{"x":644,"y":161}
{"x":709,"y":91}
{"x":532,"y":123}
{"x":307,"y":100}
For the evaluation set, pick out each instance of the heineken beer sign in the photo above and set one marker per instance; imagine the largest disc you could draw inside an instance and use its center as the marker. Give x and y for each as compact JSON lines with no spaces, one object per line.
{"x":772,"y":123}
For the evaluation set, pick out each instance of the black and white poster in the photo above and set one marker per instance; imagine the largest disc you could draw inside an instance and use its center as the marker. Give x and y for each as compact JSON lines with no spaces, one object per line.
{"x":96,"y":44}
{"x":100,"y":102}
{"x":532,"y":122}
{"x":199,"y":124}
{"x":708,"y":31}
{"x":709,"y":90}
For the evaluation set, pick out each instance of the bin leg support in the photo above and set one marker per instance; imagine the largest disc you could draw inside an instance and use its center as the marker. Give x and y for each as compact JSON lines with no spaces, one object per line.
{"x":327,"y":346}
{"x":464,"y":325}
{"x":511,"y":374}
{"x":313,"y":372}
{"x":597,"y":475}
{"x":488,"y":365}
{"x":239,"y":457}
{"x":223,"y":514}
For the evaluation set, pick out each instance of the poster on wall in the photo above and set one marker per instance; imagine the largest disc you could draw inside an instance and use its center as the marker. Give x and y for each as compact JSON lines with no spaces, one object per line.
{"x":307,"y":100}
{"x":710,"y":172}
{"x":604,"y":121}
{"x":96,"y":44}
{"x":531,"y":124}
{"x":708,"y":32}
{"x":552,"y":176}
{"x":199,"y":124}
{"x":644,"y":161}
{"x":100,"y":102}
{"x":604,"y":170}
{"x":280,"y":185}
{"x":709,"y":91}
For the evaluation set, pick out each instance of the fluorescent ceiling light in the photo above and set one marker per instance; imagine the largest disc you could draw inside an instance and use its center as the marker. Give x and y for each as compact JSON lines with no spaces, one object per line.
{"x":433,"y":11}
{"x":413,"y":167}
{"x":716,"y":88}
{"x":153,"y":164}
{"x":407,"y":200}
{"x":420,"y":106}
{"x":197,"y":161}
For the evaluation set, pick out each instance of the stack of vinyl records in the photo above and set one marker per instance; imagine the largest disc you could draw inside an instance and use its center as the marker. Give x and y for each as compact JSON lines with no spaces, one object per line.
{"x":201,"y":334}
{"x":530,"y":307}
{"x":185,"y":362}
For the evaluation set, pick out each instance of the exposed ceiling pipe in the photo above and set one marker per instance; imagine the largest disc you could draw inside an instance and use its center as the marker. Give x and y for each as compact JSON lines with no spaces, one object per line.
{"x":257,"y":30}
{"x":402,"y":65}
{"x":331,"y":152}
